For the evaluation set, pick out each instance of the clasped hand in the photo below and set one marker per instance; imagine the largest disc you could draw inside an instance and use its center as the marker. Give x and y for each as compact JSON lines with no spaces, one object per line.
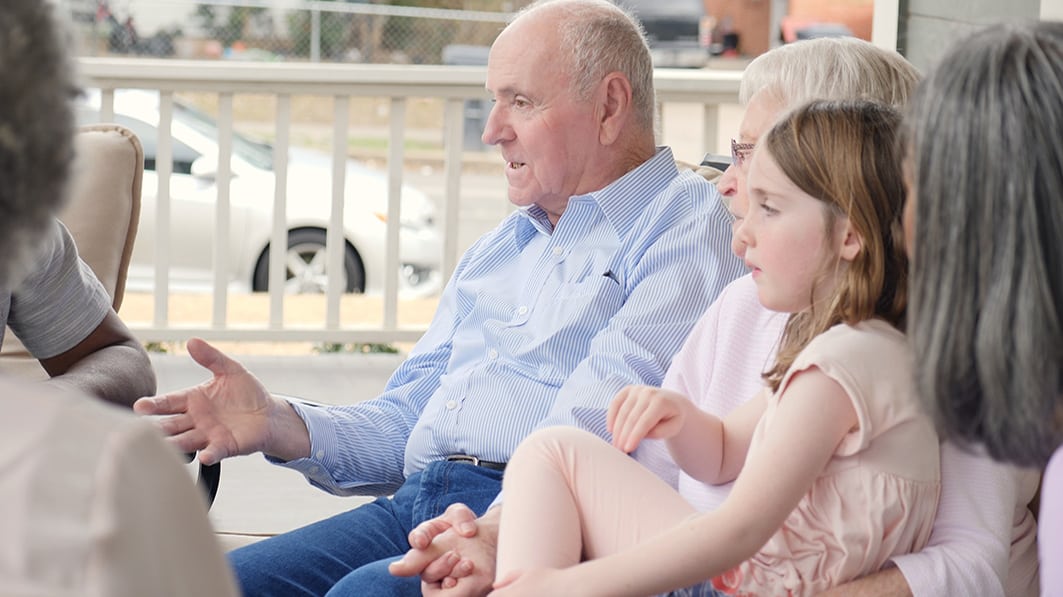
{"x":454,"y":554}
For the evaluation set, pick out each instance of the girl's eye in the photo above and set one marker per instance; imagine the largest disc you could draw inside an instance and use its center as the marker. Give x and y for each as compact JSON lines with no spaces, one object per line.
{"x":768,"y":210}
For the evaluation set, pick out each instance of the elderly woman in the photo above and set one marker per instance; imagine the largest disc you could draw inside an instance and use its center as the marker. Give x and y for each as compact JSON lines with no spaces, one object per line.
{"x":985,"y":225}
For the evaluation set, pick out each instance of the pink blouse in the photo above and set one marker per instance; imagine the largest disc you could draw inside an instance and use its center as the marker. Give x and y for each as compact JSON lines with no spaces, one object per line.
{"x":877,"y":496}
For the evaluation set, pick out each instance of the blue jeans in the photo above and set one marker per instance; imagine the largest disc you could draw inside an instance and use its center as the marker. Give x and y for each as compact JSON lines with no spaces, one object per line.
{"x":348,"y":554}
{"x":702,"y":590}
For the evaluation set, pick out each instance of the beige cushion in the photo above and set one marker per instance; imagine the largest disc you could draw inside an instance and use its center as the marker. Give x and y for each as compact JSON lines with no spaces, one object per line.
{"x":103,"y":208}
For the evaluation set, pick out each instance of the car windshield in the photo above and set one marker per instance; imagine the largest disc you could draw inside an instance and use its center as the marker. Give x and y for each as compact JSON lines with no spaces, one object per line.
{"x":255,"y":153}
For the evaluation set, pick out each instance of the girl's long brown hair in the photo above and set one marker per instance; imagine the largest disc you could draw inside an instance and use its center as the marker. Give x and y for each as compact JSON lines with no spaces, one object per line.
{"x":846,"y":154}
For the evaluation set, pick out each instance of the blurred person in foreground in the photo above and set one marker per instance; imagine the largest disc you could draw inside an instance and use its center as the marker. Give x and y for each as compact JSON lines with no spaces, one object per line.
{"x":985,"y":229}
{"x":589,"y":286}
{"x":60,"y":310}
{"x":983,"y":538}
{"x":93,"y":501}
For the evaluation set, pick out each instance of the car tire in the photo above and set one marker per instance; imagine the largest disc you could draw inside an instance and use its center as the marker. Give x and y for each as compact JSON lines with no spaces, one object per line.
{"x":307,"y":245}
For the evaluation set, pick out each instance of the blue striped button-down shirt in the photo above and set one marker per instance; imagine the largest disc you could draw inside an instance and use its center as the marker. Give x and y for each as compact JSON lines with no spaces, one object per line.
{"x":539,"y":326}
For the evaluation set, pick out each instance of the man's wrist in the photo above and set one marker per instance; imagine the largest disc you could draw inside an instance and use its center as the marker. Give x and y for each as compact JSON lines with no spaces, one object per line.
{"x":287,"y":437}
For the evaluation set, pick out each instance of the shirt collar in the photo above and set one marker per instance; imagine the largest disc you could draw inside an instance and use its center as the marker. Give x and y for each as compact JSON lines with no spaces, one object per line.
{"x":622,"y":201}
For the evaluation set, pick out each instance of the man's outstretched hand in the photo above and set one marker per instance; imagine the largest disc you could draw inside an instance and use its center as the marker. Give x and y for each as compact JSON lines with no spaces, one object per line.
{"x":228,"y":415}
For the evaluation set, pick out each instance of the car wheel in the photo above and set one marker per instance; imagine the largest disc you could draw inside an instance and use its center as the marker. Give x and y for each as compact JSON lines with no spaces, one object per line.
{"x":305,"y":265}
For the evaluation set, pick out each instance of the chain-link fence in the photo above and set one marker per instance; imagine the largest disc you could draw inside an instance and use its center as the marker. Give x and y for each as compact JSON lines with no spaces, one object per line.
{"x":377,"y":31}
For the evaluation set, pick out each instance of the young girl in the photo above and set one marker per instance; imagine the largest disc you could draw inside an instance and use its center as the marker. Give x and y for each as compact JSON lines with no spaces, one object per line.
{"x":836,"y":466}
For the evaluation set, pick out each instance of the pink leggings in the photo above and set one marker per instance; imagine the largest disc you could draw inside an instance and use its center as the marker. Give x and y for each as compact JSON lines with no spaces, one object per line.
{"x":569,"y":496}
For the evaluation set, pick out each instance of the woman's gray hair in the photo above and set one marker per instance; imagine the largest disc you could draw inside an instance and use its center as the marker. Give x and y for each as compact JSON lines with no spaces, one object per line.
{"x":36,"y":130}
{"x":985,"y":135}
{"x":599,"y":38}
{"x":830,"y":68}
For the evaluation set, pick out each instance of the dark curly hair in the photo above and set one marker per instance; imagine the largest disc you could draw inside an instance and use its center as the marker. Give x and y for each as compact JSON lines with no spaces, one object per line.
{"x":36,"y":129}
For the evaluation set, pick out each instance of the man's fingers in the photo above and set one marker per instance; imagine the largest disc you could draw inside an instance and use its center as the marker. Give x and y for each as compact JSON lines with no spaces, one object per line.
{"x":449,"y":566}
{"x":192,"y":440}
{"x":212,"y":358}
{"x":421,"y":536}
{"x":211,"y":455}
{"x":166,"y":404}
{"x":462,"y":519}
{"x":173,"y":424}
{"x":415,"y":561}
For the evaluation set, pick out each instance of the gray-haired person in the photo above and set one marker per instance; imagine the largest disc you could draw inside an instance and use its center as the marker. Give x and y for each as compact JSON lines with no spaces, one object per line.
{"x":60,"y":311}
{"x":92,"y":500}
{"x":985,"y":229}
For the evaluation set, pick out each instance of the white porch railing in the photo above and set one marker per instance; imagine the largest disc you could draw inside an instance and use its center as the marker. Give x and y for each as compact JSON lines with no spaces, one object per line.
{"x":452,"y":84}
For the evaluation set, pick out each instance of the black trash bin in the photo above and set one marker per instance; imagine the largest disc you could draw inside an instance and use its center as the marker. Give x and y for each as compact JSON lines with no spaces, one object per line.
{"x":476,"y":110}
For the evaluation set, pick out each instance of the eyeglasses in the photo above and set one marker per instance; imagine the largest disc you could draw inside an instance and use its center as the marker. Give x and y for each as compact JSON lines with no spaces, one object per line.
{"x":740,"y":151}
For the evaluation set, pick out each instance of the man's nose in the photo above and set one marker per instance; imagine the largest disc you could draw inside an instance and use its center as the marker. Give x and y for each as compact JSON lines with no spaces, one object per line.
{"x":494,"y":127}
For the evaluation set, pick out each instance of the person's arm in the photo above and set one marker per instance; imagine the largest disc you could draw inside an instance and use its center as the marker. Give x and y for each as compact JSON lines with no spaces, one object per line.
{"x":970,"y":544}
{"x":360,"y":449}
{"x":812,"y":417}
{"x":63,"y":315}
{"x":886,"y":583}
{"x":108,"y":363}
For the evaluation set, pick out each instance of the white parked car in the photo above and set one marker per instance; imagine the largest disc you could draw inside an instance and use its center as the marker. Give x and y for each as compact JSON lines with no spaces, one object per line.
{"x":193,"y":194}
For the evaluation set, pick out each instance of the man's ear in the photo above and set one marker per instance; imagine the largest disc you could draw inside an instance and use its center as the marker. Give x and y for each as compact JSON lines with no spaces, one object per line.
{"x":852,"y":242}
{"x":614,"y":102}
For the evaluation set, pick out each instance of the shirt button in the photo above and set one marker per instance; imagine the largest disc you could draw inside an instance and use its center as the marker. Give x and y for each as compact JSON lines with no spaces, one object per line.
{"x":451,"y":405}
{"x":314,"y":470}
{"x":558,"y":251}
{"x":492,"y":354}
{"x":320,"y":454}
{"x":522,"y":310}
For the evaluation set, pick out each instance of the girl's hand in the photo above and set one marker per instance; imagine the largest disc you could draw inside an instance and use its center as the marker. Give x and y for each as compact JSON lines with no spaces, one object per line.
{"x":534,"y":583}
{"x":639,"y":412}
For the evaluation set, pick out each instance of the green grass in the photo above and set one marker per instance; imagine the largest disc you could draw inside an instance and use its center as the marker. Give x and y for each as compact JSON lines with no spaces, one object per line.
{"x":355,"y":348}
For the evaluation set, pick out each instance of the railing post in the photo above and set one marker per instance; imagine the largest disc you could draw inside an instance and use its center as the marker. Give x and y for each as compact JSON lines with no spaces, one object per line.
{"x":279,"y":235}
{"x":315,"y":35}
{"x":222,"y":211}
{"x":334,"y":245}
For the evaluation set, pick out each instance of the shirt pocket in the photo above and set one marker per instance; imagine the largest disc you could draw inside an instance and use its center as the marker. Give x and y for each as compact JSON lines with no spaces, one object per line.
{"x":579,"y":310}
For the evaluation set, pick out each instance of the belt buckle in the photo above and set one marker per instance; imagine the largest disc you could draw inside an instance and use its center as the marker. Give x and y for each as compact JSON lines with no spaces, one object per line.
{"x":464,"y":458}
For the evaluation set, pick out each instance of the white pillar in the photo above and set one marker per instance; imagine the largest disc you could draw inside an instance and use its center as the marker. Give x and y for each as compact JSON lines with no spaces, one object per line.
{"x":884,"y":23}
{"x":1051,"y":10}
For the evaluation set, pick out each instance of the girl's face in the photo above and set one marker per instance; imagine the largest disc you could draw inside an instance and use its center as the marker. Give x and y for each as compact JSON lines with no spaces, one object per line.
{"x":794,"y":259}
{"x":761,"y":112}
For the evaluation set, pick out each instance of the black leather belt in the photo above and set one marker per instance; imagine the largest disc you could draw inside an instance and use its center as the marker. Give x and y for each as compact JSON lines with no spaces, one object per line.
{"x":498,"y":466}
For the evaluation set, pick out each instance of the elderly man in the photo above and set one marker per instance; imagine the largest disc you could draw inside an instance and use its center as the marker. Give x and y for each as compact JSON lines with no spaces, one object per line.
{"x":590,"y":286}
